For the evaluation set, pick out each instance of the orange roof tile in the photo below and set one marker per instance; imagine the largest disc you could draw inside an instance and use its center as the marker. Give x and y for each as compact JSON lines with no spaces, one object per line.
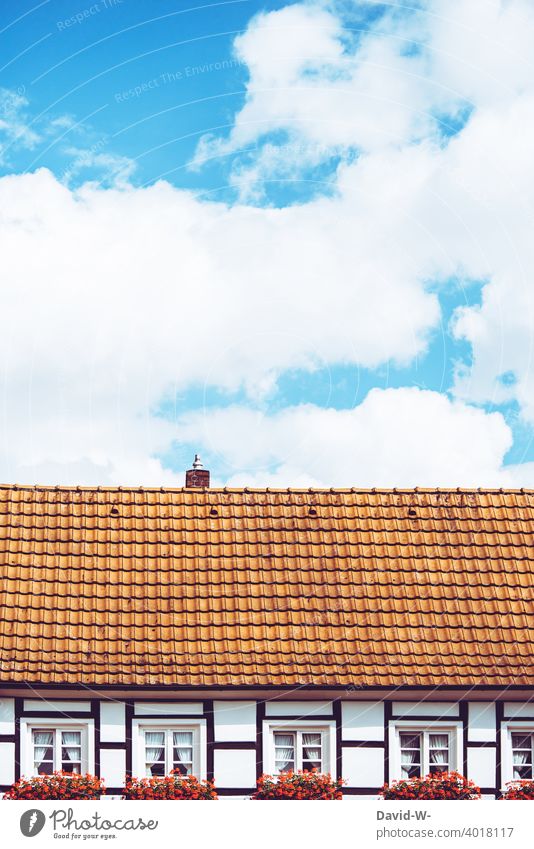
{"x":266,"y":587}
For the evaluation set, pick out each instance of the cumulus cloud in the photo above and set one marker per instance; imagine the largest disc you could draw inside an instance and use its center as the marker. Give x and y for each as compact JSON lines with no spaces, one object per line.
{"x":328,"y":88}
{"x":393,"y":94}
{"x":115,"y":298}
{"x":395,"y":437}
{"x":15,"y":126}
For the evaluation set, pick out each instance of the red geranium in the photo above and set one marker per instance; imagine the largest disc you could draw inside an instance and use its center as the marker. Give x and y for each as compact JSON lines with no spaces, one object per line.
{"x":519,"y":790}
{"x":436,"y":785}
{"x":173,"y":786}
{"x":298,"y":785}
{"x":59,"y":785}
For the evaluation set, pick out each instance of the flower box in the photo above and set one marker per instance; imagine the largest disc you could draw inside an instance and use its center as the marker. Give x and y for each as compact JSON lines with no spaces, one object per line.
{"x":174,"y":786}
{"x":298,"y":786}
{"x":58,"y":785}
{"x":519,"y":790}
{"x":437,"y":785}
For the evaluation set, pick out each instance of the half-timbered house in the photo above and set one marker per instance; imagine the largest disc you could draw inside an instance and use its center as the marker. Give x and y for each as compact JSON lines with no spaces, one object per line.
{"x":373,"y":634}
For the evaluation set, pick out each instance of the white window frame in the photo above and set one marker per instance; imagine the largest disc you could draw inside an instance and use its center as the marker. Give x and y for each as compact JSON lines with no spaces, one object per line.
{"x":139,"y":726}
{"x":453,"y":729}
{"x":27,"y":726}
{"x":290,"y":726}
{"x":507,"y":729}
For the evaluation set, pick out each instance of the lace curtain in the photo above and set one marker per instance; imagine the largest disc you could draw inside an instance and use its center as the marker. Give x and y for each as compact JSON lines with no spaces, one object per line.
{"x":311,"y":748}
{"x":154,"y":747}
{"x":183,"y":750}
{"x":522,"y":756}
{"x":285,"y":752}
{"x":43,"y":746}
{"x":71,"y":741}
{"x":439,"y":749}
{"x":410,"y":754}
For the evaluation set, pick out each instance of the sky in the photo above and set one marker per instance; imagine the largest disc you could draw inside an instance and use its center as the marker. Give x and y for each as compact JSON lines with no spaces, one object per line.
{"x":294,"y":237}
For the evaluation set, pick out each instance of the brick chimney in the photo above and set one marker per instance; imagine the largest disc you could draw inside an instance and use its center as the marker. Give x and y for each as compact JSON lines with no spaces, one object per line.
{"x":198,"y":476}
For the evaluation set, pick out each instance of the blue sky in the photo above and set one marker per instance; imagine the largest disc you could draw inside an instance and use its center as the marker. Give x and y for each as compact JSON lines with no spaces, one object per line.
{"x":291,"y":236}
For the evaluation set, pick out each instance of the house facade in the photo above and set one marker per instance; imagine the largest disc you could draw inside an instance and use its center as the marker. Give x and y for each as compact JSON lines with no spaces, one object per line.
{"x":226,"y":633}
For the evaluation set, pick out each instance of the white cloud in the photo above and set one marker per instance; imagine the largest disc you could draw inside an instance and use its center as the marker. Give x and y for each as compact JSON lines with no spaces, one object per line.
{"x":15,"y":127}
{"x":313,"y":79}
{"x":111,"y":168}
{"x":396,"y":437}
{"x":481,"y":50}
{"x":114,"y":298}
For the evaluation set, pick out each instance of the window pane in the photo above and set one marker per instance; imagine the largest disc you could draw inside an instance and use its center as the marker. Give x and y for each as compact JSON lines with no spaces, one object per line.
{"x":311,"y":750}
{"x":182,"y":751}
{"x":284,"y":766}
{"x":521,"y":741}
{"x":284,"y":752}
{"x":71,"y":766}
{"x":410,"y":741}
{"x":522,"y":756}
{"x":155,"y":751}
{"x":43,"y":751}
{"x":410,"y":755}
{"x":71,"y":751}
{"x":284,"y":739}
{"x":43,"y":768}
{"x":156,"y":768}
{"x":438,"y":741}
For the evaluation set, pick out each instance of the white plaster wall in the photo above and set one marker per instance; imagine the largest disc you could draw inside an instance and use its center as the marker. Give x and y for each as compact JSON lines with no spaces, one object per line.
{"x":233,"y":798}
{"x":305,"y":709}
{"x":56,"y":705}
{"x":113,"y":766}
{"x":518,"y":709}
{"x":7,"y":716}
{"x":362,"y":720}
{"x":361,"y":797}
{"x":234,"y":767}
{"x":426,"y":709}
{"x":7,"y":763}
{"x":112,"y":722}
{"x":234,"y":721}
{"x":481,"y":722}
{"x":167,"y":708}
{"x":362,"y":767}
{"x":481,"y":765}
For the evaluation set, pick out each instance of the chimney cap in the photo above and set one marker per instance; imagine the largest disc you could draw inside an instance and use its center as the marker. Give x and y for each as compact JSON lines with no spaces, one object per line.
{"x":197,"y":462}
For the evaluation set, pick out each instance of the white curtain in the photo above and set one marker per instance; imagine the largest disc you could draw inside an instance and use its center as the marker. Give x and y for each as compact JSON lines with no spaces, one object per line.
{"x":71,"y":741}
{"x":311,"y":743}
{"x":410,"y":754}
{"x":43,"y":741}
{"x":439,"y":749}
{"x":408,"y":759}
{"x":183,"y":749}
{"x":285,"y":751}
{"x":155,"y":747}
{"x":522,"y":756}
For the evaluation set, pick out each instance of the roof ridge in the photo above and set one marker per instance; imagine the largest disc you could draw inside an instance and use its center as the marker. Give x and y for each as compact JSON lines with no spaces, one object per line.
{"x":290,"y":489}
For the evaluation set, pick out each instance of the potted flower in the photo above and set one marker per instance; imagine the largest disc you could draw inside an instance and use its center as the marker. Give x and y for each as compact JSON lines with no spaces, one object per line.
{"x":58,"y":785}
{"x":297,"y":786}
{"x":519,"y":790}
{"x":174,"y":786}
{"x":436,"y":785}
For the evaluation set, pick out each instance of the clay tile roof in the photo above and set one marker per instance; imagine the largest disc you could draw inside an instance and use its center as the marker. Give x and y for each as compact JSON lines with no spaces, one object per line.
{"x":255,"y":587}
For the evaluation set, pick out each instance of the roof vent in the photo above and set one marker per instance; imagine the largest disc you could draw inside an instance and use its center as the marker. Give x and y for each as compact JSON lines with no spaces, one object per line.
{"x":197,"y":477}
